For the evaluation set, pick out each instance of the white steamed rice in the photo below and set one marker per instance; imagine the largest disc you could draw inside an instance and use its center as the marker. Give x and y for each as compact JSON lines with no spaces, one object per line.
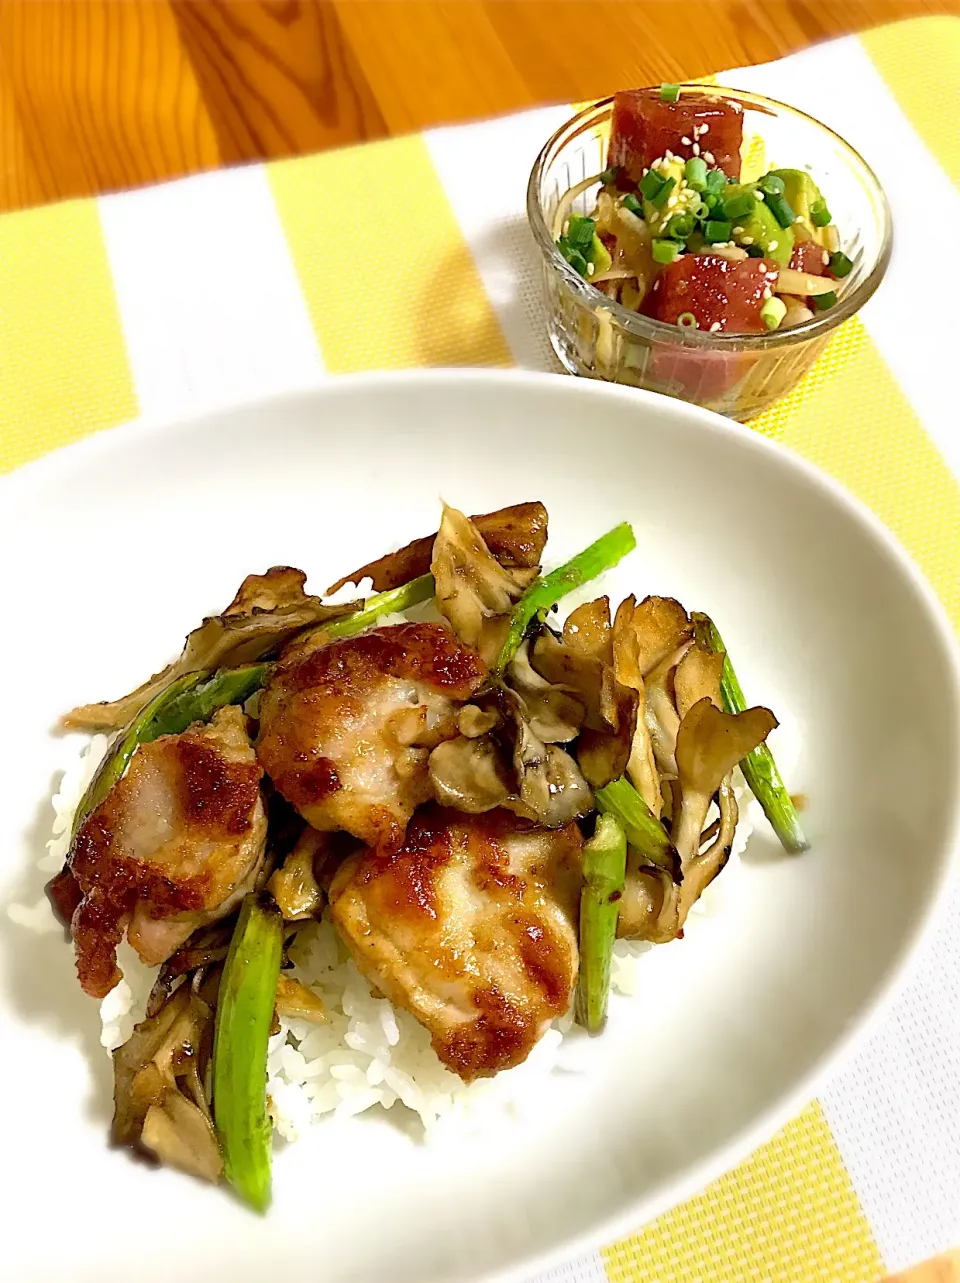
{"x":368,"y":1053}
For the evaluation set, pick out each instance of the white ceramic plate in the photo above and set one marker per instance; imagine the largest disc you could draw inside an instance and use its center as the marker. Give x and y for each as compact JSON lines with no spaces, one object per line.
{"x":111,"y":550}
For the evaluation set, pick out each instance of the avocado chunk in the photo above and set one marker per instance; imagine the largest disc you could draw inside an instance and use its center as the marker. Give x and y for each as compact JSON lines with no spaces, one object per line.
{"x":800,"y":191}
{"x":760,"y":228}
{"x":598,"y":254}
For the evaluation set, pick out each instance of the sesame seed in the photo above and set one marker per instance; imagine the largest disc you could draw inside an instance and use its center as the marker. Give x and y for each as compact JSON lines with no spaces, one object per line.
{"x":704,"y":129}
{"x":668,"y":154}
{"x":738,"y":231}
{"x":748,"y":240}
{"x":708,"y":157}
{"x":826,"y":258}
{"x":798,"y":219}
{"x":714,"y":327}
{"x":685,"y":140}
{"x":591,"y":268}
{"x":773,"y":245}
{"x":696,"y":149}
{"x":767,"y":292}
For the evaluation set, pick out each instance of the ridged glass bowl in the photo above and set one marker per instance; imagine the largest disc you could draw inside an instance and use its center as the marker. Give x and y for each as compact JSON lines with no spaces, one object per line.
{"x":736,"y":375}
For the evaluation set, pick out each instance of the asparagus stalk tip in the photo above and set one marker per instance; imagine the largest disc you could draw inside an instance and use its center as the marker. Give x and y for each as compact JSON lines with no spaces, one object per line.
{"x":547,"y":590}
{"x":604,"y":875}
{"x":245,"y":1004}
{"x":759,"y":767}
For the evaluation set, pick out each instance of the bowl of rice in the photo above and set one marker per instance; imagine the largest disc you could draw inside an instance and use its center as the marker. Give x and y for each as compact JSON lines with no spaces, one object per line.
{"x":387,"y":1165}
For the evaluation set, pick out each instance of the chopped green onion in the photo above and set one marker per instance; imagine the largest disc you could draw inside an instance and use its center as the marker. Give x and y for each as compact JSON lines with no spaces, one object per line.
{"x":610,"y":175}
{"x":772,"y":185}
{"x":716,"y":181}
{"x":650,"y":184}
{"x":547,"y":590}
{"x":840,"y":265}
{"x":819,"y":214}
{"x":669,"y":93}
{"x":781,"y":209}
{"x":773,"y":312}
{"x":716,"y":230}
{"x":573,"y":257}
{"x":822,"y":301}
{"x":661,"y":196}
{"x":739,"y":206}
{"x":630,"y":202}
{"x":580,"y":232}
{"x":665,"y":251}
{"x":687,"y":321}
{"x":245,"y":1003}
{"x":681,"y":226}
{"x":695,"y":173}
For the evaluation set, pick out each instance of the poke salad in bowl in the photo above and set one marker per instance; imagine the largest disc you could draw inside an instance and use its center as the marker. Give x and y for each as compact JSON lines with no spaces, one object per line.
{"x":703,"y":243}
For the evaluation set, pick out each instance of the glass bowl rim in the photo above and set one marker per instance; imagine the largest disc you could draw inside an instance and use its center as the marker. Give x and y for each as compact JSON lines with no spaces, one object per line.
{"x":647,"y":327}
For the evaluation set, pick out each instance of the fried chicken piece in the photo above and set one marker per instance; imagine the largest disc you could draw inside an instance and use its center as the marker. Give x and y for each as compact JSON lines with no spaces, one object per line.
{"x":175,"y":844}
{"x":471,"y":927}
{"x":346,"y":729}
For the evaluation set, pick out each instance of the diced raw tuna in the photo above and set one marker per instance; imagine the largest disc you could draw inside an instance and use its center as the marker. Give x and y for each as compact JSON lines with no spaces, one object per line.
{"x":721,"y":295}
{"x":807,"y":257}
{"x":643,"y":128}
{"x":717,"y":292}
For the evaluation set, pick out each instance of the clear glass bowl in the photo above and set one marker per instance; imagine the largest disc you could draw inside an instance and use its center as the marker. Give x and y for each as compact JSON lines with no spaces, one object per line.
{"x":736,"y":375}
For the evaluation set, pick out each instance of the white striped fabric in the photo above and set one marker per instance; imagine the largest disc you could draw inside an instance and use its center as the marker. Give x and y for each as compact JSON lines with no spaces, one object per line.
{"x":210,"y":304}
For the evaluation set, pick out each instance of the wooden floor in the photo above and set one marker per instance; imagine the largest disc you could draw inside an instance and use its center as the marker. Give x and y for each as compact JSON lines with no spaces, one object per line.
{"x":97,"y":95}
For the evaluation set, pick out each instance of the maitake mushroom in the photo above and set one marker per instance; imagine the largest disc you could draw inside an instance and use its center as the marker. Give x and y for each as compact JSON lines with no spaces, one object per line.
{"x":267,"y":611}
{"x":474,"y":592}
{"x":581,"y":660}
{"x":515,"y":536}
{"x":696,"y":747}
{"x":159,"y":1099}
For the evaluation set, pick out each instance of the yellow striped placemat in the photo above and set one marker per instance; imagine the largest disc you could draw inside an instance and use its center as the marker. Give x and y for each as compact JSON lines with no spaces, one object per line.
{"x":235,"y":284}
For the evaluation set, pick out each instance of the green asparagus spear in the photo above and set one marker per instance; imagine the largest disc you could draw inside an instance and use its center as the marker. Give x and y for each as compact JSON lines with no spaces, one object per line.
{"x":248,"y":990}
{"x":759,"y":768}
{"x":547,"y":590}
{"x":382,"y":603}
{"x":188,"y":699}
{"x":604,"y":874}
{"x":644,"y":831}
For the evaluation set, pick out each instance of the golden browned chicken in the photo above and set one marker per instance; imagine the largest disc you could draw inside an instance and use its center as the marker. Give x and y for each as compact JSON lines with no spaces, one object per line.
{"x":470,"y":926}
{"x":175,"y":844}
{"x":346,"y":728}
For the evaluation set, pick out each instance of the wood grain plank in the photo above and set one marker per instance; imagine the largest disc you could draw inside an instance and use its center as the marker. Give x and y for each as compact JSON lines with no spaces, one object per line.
{"x":279,"y":78}
{"x":103,"y":94}
{"x":433,"y":63}
{"x":941,"y":1269}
